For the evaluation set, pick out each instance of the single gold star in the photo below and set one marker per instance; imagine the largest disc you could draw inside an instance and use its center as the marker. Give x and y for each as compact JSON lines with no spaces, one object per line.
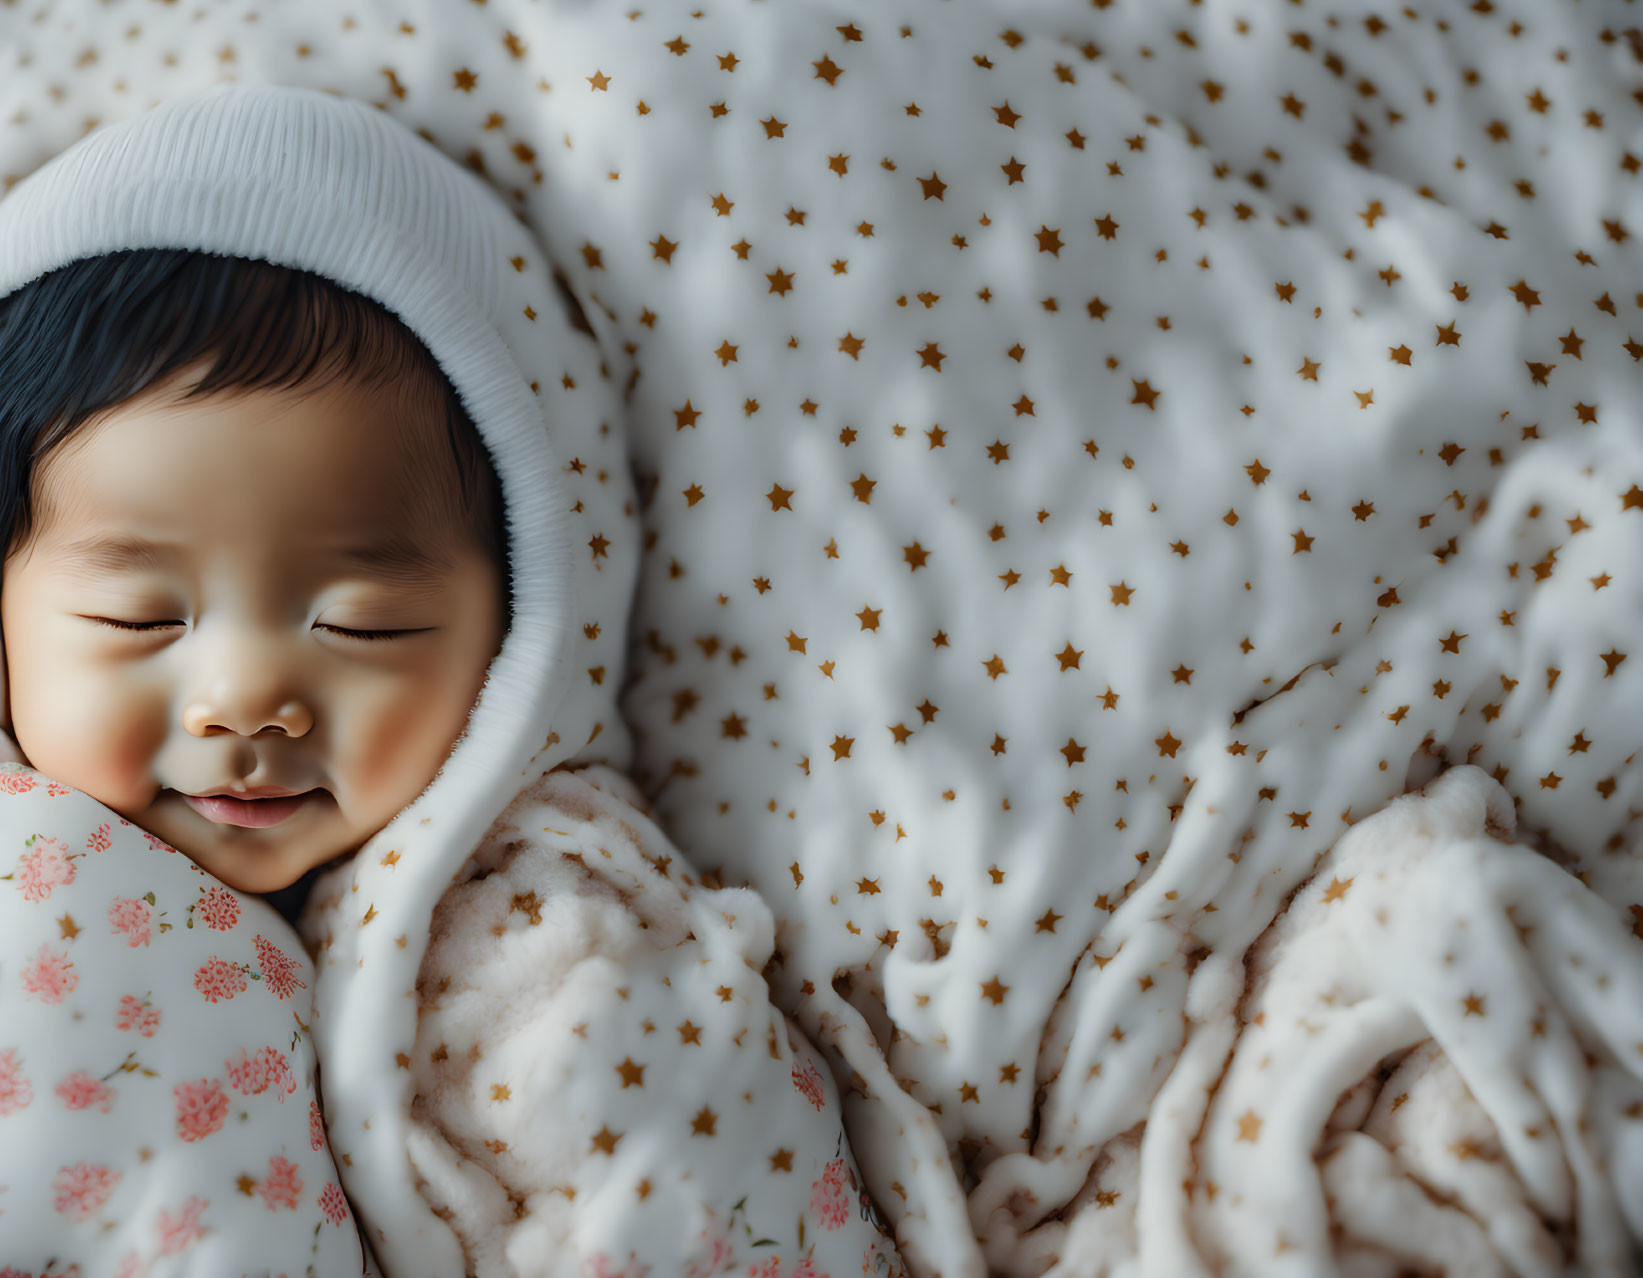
{"x":464,"y":80}
{"x":930,"y":356}
{"x":781,"y":282}
{"x":1073,"y":751}
{"x":779,"y":497}
{"x":604,"y":1141}
{"x":869,"y":618}
{"x":1121,"y":594}
{"x":1107,"y":227}
{"x":1144,"y":394}
{"x":600,"y":82}
{"x":690,"y":1035}
{"x":994,"y":991}
{"x":1045,"y":924}
{"x":1249,"y":1126}
{"x":1337,"y":889}
{"x":1068,"y":657}
{"x":1005,"y":116}
{"x":781,"y":1160}
{"x":1049,"y":241}
{"x":1309,"y":369}
{"x":67,"y":928}
{"x":841,"y":747}
{"x":1474,"y":1005}
{"x":703,"y":1123}
{"x":933,"y":187}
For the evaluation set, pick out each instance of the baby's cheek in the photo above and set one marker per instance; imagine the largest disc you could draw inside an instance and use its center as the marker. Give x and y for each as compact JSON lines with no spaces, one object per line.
{"x":389,"y":745}
{"x":99,"y":737}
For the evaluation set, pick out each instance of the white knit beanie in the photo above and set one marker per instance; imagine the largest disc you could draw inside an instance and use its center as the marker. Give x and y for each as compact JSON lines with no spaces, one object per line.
{"x":310,"y":181}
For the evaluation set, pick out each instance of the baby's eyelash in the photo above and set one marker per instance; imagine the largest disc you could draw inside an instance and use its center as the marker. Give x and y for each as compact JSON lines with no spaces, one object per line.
{"x":339,"y":630}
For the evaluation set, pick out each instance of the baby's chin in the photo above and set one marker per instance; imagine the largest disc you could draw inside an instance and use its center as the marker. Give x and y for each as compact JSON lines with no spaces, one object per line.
{"x":256,"y":860}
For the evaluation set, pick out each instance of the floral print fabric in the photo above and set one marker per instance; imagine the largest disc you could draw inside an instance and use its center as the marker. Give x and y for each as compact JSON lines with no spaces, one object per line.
{"x":158,"y":1108}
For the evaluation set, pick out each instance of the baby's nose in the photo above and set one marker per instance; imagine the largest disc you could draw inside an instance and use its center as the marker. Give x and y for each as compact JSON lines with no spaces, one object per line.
{"x":246,"y":712}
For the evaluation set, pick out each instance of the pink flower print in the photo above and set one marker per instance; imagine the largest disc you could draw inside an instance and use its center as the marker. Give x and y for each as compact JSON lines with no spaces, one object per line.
{"x":56,"y":789}
{"x":806,"y":1268}
{"x":100,"y":839}
{"x":282,"y":1187}
{"x":16,"y":782}
{"x":254,"y":1075}
{"x":131,"y":1266}
{"x":50,"y":976}
{"x":81,"y":1091}
{"x":279,"y":973}
{"x":333,"y":1204}
{"x":768,"y":1268}
{"x":43,"y":867}
{"x":201,"y":1108}
{"x":157,"y":845}
{"x":135,"y":1013}
{"x":807,"y":1078}
{"x":828,"y":1202}
{"x":218,"y":909}
{"x":82,"y":1189}
{"x":180,"y":1232}
{"x":316,"y":1126}
{"x":134,"y":918}
{"x":15,"y":1091}
{"x":219,"y":979}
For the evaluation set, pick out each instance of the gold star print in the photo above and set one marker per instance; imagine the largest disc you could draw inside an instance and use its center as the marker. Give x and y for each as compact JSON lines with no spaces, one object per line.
{"x":1447,"y":335}
{"x":1014,"y":171}
{"x":1286,"y":292}
{"x":690,"y":1035}
{"x":1107,"y":227}
{"x":1303,"y":543}
{"x":632,"y":1075}
{"x":1073,"y":751}
{"x":1337,"y":889}
{"x":781,"y":282}
{"x":774,"y":128}
{"x":994,"y":991}
{"x":1060,"y":576}
{"x":1167,"y":744}
{"x":465,"y":80}
{"x":1474,"y":1005}
{"x":781,"y":1160}
{"x":841,"y":747}
{"x":778,"y":497}
{"x":1049,"y":241}
{"x":247,"y":1185}
{"x":1249,"y":1126}
{"x":67,"y":928}
{"x":1308,"y":370}
{"x":1068,"y":657}
{"x":994,"y":667}
{"x":933,"y":187}
{"x":604,"y":1141}
{"x":703,"y":1123}
{"x":839,"y":164}
{"x":1257,"y":472}
{"x":678,"y":46}
{"x":1121,"y":594}
{"x":600,"y":82}
{"x":1005,"y":116}
{"x":662,"y":247}
{"x":1144,"y":394}
{"x":528,"y":904}
{"x":869,"y":618}
{"x":1611,"y":660}
{"x":930,"y":356}
{"x":1632,"y":499}
{"x":827,"y":69}
{"x":685,"y":416}
{"x":501,"y":1092}
{"x":851,"y":345}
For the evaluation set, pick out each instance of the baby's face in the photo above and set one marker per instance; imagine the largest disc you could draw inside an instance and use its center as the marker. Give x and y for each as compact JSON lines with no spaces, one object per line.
{"x":248,"y":669}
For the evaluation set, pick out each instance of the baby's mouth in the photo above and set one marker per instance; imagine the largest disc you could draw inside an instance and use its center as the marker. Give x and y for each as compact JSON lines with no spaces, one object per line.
{"x":257,"y":813}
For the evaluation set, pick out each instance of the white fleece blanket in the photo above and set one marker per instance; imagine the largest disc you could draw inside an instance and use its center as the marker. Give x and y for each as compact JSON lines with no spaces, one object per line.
{"x":1090,"y":458}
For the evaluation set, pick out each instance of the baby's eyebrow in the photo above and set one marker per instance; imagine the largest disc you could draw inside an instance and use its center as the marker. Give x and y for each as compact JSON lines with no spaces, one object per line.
{"x":399,"y":559}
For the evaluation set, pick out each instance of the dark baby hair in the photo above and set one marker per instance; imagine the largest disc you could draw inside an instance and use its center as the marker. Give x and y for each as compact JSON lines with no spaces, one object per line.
{"x":91,"y":335}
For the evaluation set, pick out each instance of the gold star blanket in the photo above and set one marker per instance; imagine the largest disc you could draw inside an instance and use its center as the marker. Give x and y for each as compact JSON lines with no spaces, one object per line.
{"x":1091,"y":457}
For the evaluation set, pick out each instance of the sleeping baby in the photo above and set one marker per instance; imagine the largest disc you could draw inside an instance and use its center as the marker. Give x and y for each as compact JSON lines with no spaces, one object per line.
{"x":287,"y":588}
